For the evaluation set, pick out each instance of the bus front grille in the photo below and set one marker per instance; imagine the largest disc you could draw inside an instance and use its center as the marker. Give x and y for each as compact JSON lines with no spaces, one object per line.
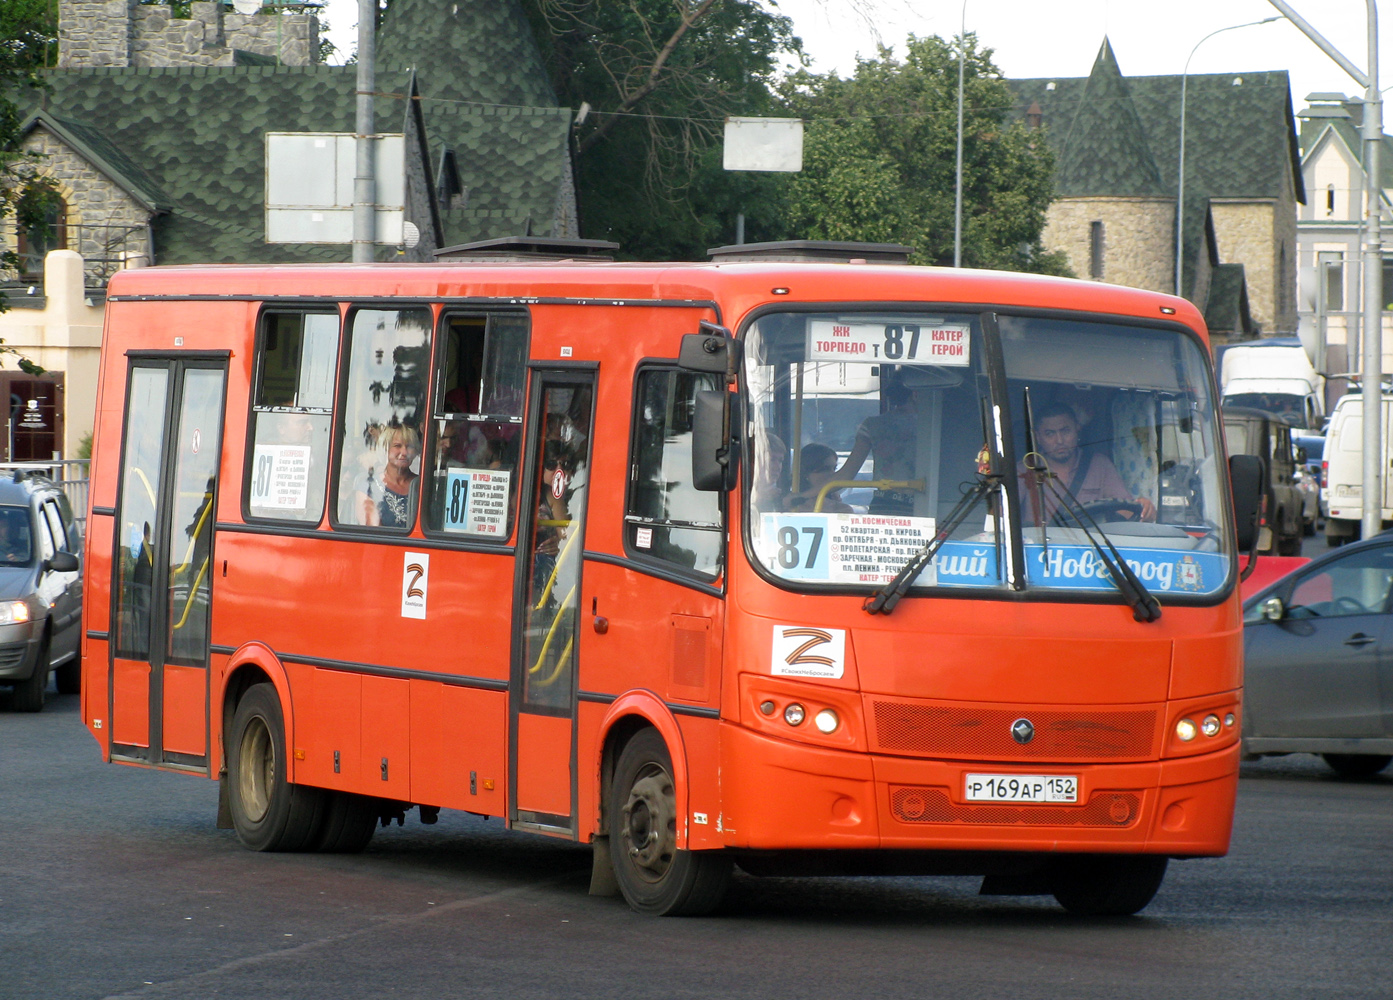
{"x":912,"y":804}
{"x":973,"y":733}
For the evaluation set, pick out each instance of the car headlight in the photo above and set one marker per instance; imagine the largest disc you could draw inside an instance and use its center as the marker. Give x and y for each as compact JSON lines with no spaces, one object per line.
{"x":14,"y":612}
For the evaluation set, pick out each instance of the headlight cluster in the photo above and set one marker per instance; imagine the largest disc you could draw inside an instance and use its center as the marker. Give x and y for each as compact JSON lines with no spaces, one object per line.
{"x":13,"y":612}
{"x":1186,"y":730}
{"x":825,"y":720}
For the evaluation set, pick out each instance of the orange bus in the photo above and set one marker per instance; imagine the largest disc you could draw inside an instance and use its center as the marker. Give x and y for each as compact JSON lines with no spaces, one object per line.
{"x":886,"y":569}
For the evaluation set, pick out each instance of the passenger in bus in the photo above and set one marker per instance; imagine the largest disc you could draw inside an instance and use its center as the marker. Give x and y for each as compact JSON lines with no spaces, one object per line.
{"x":769,"y":488}
{"x":553,"y":514}
{"x":388,"y":504}
{"x":892,"y":437}
{"x":817,"y":466}
{"x":1089,"y":475}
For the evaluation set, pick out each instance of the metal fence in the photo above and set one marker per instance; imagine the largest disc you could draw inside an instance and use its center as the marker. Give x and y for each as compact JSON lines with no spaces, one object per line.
{"x":69,"y":473}
{"x":105,"y":249}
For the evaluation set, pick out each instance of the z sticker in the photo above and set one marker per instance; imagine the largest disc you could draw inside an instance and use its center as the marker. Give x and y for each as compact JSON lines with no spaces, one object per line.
{"x":415,"y":581}
{"x":805,"y":651}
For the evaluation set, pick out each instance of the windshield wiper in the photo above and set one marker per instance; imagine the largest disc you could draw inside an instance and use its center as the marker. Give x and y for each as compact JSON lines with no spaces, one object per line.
{"x":883,"y":601}
{"x":1145,"y":608}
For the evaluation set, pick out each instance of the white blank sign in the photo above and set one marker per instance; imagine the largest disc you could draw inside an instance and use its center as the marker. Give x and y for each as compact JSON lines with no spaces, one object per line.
{"x":764,"y":144}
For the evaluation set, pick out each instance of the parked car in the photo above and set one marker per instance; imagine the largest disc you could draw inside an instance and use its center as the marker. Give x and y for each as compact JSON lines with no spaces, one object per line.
{"x":40,"y":590}
{"x":1317,"y":644}
{"x":1258,"y":432}
{"x":1313,"y":447}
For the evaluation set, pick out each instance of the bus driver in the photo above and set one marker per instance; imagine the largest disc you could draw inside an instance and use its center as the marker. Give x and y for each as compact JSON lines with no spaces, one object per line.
{"x":1088,"y":474}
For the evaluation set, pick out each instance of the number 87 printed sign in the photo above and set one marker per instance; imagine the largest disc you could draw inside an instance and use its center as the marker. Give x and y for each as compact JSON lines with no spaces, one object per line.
{"x":930,"y":342}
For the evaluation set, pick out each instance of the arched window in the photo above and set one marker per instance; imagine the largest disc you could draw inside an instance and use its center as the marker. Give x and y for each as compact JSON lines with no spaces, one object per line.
{"x":51,"y":233}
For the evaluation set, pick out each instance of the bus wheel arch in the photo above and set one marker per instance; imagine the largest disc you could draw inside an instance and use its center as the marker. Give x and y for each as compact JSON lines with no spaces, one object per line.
{"x":252,"y":664}
{"x":627,"y":716}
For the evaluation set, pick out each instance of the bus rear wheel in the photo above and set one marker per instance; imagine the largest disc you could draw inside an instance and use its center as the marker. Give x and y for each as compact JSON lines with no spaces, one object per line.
{"x":268,"y":812}
{"x":349,"y":823}
{"x":1108,"y":885}
{"x":655,"y":877}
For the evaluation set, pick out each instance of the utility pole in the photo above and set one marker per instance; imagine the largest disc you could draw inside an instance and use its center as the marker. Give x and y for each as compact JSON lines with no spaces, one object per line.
{"x":1372,"y":368}
{"x":364,"y":180}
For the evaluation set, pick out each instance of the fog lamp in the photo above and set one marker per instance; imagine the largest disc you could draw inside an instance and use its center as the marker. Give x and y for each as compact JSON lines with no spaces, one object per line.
{"x":793,"y":715}
{"x":1186,"y":730}
{"x":826,"y":721}
{"x":1228,"y":719}
{"x":1210,"y":725}
{"x":767,"y":707}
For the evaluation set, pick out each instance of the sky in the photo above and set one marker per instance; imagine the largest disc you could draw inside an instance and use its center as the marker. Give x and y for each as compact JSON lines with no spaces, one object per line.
{"x":1044,"y":38}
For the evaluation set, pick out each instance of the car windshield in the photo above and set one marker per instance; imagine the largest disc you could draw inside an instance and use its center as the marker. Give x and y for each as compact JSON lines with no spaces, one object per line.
{"x":16,"y":542}
{"x":1286,"y":407}
{"x":868,"y":429}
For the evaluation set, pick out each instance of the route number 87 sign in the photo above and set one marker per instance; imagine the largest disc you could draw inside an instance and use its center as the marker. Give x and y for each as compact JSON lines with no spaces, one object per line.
{"x":926,"y":342}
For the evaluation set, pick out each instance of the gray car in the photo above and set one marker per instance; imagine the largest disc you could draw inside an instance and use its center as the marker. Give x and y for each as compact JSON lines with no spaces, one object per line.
{"x":40,"y":590}
{"x":1318,"y":652}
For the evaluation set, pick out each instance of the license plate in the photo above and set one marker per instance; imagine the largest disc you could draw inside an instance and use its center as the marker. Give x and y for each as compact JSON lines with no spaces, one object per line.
{"x":1021,"y":788}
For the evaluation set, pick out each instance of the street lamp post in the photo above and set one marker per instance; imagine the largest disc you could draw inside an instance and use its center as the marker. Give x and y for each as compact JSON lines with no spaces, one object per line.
{"x":1180,"y":182}
{"x":1372,"y":490}
{"x":958,"y":195}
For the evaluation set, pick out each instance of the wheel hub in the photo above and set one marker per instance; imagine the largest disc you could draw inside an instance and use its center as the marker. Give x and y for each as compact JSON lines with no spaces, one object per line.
{"x":256,"y":770}
{"x":649,"y":823}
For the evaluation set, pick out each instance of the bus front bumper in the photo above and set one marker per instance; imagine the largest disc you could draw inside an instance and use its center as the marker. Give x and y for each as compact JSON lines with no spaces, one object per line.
{"x":777,"y":794}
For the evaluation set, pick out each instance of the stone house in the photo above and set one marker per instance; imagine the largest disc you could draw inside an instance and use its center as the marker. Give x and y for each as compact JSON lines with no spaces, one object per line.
{"x":1329,"y":229}
{"x":153,"y":129}
{"x":1116,"y":141}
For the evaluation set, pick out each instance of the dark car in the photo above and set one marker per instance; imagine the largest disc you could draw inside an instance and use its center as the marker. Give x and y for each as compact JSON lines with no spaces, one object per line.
{"x":1318,"y":673}
{"x":1257,"y":432}
{"x":40,"y":590}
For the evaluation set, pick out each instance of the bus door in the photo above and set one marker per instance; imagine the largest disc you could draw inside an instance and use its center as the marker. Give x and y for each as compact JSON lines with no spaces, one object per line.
{"x":542,"y":730}
{"x":163,"y":567}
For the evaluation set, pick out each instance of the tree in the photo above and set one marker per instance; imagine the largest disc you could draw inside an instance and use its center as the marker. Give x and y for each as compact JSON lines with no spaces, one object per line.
{"x":28,"y":43}
{"x":880,"y":159}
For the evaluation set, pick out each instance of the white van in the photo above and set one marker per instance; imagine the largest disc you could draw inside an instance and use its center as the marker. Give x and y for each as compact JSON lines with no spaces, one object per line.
{"x":1276,"y":377}
{"x":1344,"y":468}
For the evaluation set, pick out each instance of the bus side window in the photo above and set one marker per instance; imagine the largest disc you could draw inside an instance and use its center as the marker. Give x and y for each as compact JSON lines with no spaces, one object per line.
{"x":384,"y":409}
{"x":476,"y":425}
{"x":292,"y":403}
{"x":665,"y":517}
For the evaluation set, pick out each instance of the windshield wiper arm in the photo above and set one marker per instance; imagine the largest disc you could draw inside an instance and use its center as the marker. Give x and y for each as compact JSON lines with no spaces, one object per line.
{"x":883,"y":601}
{"x":1145,"y":608}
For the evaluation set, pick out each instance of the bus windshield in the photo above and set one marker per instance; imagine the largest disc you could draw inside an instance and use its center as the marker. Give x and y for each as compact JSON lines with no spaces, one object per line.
{"x":868,"y":430}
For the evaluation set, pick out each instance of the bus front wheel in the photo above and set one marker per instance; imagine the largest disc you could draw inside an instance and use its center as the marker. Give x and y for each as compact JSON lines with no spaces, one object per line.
{"x":655,"y":877}
{"x":268,"y":812}
{"x":1108,"y":885}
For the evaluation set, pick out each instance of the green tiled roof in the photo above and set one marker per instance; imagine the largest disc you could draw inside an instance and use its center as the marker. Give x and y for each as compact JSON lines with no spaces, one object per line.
{"x":1226,"y":310}
{"x":196,"y":135}
{"x":1240,"y":140}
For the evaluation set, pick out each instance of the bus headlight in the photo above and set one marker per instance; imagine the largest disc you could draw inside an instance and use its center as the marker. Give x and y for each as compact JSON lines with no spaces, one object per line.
{"x":1210,"y":725}
{"x":1186,"y":730}
{"x":826,"y":721}
{"x":794,"y":714}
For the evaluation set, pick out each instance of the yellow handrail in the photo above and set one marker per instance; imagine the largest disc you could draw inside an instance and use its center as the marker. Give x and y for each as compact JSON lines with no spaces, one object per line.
{"x":875,"y":484}
{"x":546,"y":643}
{"x":546,"y":591}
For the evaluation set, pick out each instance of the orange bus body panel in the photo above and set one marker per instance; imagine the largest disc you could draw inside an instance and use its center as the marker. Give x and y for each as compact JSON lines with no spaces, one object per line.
{"x":418,"y":710}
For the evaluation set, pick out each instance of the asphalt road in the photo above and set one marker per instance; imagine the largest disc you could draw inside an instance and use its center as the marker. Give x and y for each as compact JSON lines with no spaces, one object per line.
{"x":115,"y":883}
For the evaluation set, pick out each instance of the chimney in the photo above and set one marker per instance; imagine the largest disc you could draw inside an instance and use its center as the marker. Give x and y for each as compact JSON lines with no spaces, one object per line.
{"x":94,"y":32}
{"x":1034,"y":116}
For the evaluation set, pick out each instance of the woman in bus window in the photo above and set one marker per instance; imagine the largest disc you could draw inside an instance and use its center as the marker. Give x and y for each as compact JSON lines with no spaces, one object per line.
{"x":392,"y":509}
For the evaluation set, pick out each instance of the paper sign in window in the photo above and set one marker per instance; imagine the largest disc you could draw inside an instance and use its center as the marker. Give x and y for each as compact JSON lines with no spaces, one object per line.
{"x":280,"y":476}
{"x":476,"y":502}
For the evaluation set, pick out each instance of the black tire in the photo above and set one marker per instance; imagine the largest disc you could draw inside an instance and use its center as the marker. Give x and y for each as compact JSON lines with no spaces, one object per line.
{"x":654,"y":876}
{"x":349,"y":823}
{"x":1108,"y":885}
{"x":29,"y":694}
{"x":1357,"y":765}
{"x":268,"y":812}
{"x":68,"y":677}
{"x":1289,"y":546}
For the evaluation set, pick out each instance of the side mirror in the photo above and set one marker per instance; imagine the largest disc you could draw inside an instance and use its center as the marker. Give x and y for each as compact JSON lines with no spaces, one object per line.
{"x":62,"y":562}
{"x":1301,"y":455}
{"x":712,"y":350}
{"x":1247,"y":476}
{"x":715,"y":445}
{"x":1272,"y":609}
